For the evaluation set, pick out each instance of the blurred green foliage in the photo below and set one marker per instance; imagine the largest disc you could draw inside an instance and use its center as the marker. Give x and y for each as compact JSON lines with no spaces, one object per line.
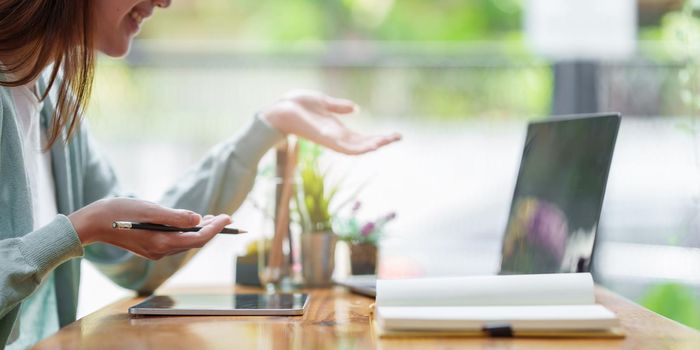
{"x":679,"y":33}
{"x":675,"y":301}
{"x":298,"y":20}
{"x":496,"y":92}
{"x":520,"y":90}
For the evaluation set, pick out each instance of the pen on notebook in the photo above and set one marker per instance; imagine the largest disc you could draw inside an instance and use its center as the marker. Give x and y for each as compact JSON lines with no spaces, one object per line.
{"x":126,"y":225}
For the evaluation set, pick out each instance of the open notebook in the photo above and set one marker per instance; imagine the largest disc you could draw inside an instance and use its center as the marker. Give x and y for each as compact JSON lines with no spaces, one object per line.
{"x":556,"y":305}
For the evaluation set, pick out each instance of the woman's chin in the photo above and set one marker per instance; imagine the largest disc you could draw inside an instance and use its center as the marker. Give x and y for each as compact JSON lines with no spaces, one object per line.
{"x":116,"y":50}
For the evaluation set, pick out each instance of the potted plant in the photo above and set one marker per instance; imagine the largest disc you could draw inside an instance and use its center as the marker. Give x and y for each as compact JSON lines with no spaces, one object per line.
{"x":363,"y":239}
{"x":312,"y":202}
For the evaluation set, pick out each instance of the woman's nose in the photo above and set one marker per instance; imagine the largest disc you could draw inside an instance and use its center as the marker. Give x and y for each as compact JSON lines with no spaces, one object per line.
{"x":162,"y":3}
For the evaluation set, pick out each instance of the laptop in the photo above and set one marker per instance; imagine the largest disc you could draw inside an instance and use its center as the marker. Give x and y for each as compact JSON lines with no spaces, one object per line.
{"x":558,"y":197}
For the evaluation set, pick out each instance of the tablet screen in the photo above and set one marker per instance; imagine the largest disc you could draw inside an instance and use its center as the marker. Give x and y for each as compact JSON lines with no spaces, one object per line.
{"x":212,"y":304}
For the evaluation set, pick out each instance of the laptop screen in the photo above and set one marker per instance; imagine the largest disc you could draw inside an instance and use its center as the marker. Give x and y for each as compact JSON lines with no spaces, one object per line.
{"x":558,"y":195}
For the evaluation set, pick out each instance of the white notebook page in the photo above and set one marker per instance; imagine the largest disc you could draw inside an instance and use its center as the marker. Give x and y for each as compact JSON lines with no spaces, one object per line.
{"x":504,"y":290}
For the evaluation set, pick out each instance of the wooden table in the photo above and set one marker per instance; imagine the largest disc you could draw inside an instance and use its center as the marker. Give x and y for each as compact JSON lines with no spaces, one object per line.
{"x":335,"y":319}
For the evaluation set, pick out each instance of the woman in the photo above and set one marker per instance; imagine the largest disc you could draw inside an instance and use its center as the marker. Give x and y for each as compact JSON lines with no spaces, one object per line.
{"x":58,"y":197}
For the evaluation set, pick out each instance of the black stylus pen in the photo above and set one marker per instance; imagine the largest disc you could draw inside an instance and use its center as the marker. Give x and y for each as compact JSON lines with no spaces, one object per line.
{"x":126,"y":225}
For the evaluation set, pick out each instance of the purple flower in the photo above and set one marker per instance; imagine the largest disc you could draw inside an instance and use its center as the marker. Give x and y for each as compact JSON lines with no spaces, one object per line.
{"x":367,"y":229}
{"x":356,"y":207}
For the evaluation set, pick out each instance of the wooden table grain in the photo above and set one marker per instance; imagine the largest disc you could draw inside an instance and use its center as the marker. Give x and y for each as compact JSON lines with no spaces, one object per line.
{"x":336,"y":319}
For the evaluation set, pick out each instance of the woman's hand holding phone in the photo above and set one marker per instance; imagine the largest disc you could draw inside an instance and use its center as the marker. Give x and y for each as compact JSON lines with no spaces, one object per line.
{"x":93,"y":223}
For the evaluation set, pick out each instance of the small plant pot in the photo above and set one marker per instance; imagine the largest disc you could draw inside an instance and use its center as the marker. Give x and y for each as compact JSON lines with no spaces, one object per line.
{"x":363,"y":259}
{"x":318,"y":258}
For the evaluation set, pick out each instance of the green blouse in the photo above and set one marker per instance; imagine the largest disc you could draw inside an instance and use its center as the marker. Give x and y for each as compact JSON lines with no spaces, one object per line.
{"x":219,"y":183}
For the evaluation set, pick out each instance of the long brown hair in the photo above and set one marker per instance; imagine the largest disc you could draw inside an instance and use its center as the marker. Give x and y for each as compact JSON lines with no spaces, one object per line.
{"x":57,"y":33}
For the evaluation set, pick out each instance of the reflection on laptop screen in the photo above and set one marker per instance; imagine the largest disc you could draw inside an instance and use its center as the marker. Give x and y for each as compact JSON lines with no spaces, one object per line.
{"x":558,"y":195}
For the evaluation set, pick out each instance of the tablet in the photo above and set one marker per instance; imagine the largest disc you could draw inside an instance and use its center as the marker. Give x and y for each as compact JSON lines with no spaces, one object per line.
{"x":223,"y":304}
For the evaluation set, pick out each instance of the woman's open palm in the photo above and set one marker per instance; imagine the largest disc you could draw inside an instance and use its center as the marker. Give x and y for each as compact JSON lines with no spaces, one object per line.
{"x":315,"y":116}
